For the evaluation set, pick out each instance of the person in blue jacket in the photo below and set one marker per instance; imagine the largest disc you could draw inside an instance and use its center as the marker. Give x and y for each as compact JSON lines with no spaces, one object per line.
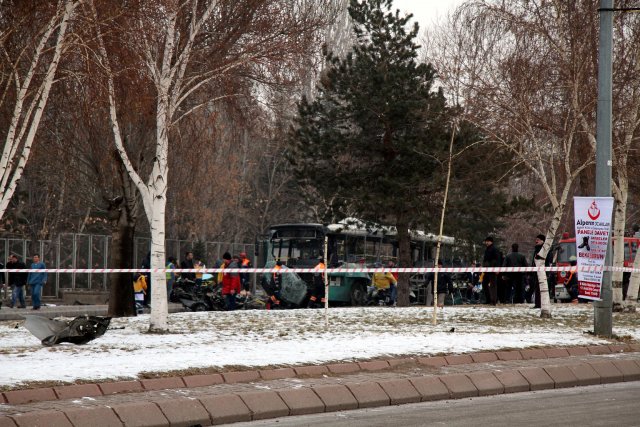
{"x":37,"y":280}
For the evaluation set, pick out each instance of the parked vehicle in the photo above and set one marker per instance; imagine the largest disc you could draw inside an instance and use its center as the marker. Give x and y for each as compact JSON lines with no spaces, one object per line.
{"x":566,"y":248}
{"x":350,"y":244}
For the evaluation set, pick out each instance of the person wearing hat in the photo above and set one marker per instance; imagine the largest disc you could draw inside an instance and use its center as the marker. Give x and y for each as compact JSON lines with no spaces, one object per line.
{"x":490,"y":280}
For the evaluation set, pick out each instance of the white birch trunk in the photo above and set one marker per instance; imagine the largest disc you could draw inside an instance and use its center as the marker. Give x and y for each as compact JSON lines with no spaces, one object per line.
{"x":27,"y":122}
{"x":545,"y":301}
{"x":618,"y":242}
{"x":634,"y":284}
{"x":157,"y":191}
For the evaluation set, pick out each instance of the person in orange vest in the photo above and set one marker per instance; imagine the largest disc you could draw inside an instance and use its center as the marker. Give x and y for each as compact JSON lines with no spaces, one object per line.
{"x":244,"y":277}
{"x":317,"y":299}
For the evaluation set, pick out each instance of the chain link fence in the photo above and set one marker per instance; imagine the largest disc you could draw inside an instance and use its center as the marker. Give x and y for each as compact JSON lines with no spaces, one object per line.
{"x":71,"y":250}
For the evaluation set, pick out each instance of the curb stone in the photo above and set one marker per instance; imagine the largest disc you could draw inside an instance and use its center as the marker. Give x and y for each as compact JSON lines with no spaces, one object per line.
{"x":288,"y":395}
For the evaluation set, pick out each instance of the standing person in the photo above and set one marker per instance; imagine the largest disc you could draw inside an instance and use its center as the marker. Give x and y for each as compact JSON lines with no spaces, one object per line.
{"x":244,"y":277}
{"x":445,"y":284}
{"x":394,"y":286}
{"x":37,"y":280}
{"x":490,"y":280}
{"x":274,"y":286}
{"x":187,"y":263}
{"x":170,"y":275}
{"x":535,"y":284}
{"x":317,"y":293}
{"x":230,"y":283}
{"x":146,"y":264}
{"x":514,"y":279}
{"x":17,"y":281}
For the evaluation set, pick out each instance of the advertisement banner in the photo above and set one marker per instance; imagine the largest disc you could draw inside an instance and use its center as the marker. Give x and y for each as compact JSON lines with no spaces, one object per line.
{"x":593,"y":226}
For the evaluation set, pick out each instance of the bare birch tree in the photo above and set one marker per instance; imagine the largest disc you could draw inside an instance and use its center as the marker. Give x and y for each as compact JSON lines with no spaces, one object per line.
{"x":184,"y":48}
{"x":525,"y":70}
{"x":32,"y":44}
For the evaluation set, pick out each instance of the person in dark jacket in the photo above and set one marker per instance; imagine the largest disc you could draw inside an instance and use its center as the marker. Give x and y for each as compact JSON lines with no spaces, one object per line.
{"x":540,"y":239}
{"x":17,"y":281}
{"x":187,"y":262}
{"x":445,"y":284}
{"x":514,"y":279}
{"x":490,"y":280}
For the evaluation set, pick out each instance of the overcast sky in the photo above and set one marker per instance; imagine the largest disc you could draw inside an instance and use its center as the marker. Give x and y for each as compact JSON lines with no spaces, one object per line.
{"x":426,"y":11}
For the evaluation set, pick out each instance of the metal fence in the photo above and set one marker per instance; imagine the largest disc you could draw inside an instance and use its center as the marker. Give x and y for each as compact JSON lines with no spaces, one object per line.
{"x":70,"y":250}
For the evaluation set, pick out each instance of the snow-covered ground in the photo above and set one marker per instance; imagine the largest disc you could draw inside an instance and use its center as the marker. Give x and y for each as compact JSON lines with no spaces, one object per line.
{"x":280,"y":338}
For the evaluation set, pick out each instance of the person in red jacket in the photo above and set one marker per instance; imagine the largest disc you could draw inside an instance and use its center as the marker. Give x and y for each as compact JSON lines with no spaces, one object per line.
{"x":230,"y":283}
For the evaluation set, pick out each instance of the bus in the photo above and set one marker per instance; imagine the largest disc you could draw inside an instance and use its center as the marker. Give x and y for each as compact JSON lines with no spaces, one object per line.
{"x":566,"y":248}
{"x":350,"y":243}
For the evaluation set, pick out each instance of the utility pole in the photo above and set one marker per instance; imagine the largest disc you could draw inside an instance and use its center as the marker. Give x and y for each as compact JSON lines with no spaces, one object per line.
{"x":603,"y":309}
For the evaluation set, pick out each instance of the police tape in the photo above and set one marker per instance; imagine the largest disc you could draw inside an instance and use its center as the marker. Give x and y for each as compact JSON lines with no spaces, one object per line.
{"x":337,"y":270}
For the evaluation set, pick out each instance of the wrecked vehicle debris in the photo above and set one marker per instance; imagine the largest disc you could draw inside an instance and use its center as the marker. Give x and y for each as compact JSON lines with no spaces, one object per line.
{"x":80,"y":330}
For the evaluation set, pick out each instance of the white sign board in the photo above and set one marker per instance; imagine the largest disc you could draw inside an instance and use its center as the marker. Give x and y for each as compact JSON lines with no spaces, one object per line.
{"x":593,"y":226}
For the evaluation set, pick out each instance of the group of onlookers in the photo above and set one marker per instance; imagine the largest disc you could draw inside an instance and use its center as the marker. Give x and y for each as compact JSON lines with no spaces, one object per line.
{"x":35,"y":279}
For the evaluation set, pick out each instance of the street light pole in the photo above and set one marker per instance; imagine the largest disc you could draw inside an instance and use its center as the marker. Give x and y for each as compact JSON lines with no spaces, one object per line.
{"x":603,"y":309}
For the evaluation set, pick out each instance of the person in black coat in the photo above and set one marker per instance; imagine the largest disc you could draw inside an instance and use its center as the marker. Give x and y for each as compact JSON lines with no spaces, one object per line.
{"x":187,"y":262}
{"x":515,"y":280}
{"x":17,"y":281}
{"x":445,"y":284}
{"x":490,"y":280}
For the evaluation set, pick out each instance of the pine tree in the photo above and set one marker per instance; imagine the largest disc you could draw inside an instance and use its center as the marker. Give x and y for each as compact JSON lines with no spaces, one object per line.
{"x":372,"y":137}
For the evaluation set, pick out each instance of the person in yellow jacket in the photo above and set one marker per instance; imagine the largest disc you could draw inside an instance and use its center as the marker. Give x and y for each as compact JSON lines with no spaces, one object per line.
{"x":386,"y":281}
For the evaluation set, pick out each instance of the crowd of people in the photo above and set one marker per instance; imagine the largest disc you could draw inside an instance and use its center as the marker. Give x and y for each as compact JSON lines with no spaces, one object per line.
{"x":232,"y":283}
{"x":518,"y":287}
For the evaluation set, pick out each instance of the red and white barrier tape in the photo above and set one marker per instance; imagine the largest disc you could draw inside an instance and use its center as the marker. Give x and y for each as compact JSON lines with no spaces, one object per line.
{"x":329,"y":270}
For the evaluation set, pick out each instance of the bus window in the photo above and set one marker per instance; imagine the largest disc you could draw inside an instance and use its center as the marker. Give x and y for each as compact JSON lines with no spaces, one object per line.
{"x":355,"y":248}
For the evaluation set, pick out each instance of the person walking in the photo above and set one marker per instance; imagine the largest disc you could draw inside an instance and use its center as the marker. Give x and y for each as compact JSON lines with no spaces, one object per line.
{"x":17,"y":281}
{"x":37,"y":280}
{"x":490,"y":280}
{"x":515,"y":280}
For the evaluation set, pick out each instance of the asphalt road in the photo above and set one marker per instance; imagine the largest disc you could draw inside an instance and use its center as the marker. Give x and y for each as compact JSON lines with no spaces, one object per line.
{"x":602,"y":405}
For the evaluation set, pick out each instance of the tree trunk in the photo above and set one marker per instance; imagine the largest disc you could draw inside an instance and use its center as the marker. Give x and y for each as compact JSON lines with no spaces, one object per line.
{"x":545,"y":301}
{"x":634,"y":283}
{"x":404,"y":260}
{"x":159,"y":305}
{"x":121,"y":299}
{"x":618,"y":245}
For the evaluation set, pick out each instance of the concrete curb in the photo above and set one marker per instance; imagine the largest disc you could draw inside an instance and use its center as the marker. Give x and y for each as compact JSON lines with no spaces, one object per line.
{"x":539,"y":379}
{"x":256,"y":405}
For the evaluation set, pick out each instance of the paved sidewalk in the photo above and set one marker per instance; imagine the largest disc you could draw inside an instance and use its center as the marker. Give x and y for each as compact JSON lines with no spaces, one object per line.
{"x":236,"y":396}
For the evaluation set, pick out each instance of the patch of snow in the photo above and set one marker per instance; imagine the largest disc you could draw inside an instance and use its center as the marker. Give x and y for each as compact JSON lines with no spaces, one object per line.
{"x":290,"y":337}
